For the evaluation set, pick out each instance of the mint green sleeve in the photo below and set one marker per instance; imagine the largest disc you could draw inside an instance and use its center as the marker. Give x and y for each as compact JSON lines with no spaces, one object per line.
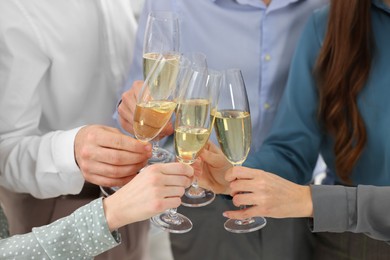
{"x":3,"y":225}
{"x":82,"y":235}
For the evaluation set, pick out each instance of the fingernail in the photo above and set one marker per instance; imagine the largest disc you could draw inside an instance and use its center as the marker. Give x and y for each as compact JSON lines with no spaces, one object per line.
{"x":148,"y":148}
{"x":224,"y":214}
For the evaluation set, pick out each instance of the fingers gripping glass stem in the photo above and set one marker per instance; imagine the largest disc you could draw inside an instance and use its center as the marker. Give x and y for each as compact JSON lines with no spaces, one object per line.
{"x":234,"y":133}
{"x":194,"y":122}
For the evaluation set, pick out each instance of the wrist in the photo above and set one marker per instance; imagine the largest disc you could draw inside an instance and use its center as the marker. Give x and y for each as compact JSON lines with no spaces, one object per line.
{"x":110,"y":214}
{"x":307,"y":201}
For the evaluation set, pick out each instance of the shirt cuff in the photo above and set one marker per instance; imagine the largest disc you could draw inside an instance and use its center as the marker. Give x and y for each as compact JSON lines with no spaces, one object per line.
{"x":64,"y":161}
{"x":330,"y":208}
{"x":63,"y":150}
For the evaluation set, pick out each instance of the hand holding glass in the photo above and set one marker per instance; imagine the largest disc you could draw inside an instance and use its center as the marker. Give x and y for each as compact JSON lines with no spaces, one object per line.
{"x":193,"y":125}
{"x":234,"y":133}
{"x":154,"y":108}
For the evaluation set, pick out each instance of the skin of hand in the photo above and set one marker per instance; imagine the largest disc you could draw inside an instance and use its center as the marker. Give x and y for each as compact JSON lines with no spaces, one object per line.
{"x":107,"y":157}
{"x":211,"y":169}
{"x":126,"y":110}
{"x":155,"y":189}
{"x":268,"y":194}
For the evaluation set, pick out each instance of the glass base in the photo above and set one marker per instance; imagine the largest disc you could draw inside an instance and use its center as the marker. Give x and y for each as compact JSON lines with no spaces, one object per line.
{"x":197,"y":197}
{"x":245,"y":226}
{"x":162,"y":156}
{"x":108,"y":191}
{"x":178,"y":224}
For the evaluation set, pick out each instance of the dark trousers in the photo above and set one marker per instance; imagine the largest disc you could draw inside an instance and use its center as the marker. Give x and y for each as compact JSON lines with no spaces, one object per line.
{"x":287,"y":239}
{"x":349,"y":246}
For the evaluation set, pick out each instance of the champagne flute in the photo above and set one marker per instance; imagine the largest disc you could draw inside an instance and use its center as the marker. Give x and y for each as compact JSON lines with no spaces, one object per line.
{"x":193,"y":125}
{"x":170,"y":220}
{"x":161,"y":42}
{"x":196,"y":196}
{"x":155,"y":104}
{"x":161,"y":38}
{"x":234,"y":133}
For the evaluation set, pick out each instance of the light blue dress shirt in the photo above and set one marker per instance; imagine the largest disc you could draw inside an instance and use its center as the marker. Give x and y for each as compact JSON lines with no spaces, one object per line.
{"x":296,"y":138}
{"x":264,"y":58}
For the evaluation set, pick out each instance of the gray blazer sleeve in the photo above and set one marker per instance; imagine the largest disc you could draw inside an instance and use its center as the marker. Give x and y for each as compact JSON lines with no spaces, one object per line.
{"x":362,"y":209}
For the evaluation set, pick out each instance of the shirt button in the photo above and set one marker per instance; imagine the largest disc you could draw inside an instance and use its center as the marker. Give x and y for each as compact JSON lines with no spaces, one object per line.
{"x":267,"y":57}
{"x":266,"y":106}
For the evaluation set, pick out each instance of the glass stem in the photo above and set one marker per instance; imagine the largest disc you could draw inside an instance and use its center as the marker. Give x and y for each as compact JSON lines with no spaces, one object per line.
{"x":155,"y":146}
{"x":172,"y":213}
{"x":247,"y":220}
{"x":195,"y":184}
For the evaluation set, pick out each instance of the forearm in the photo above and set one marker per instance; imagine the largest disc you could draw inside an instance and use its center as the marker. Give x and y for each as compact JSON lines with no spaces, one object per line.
{"x":82,"y":235}
{"x":43,"y":166}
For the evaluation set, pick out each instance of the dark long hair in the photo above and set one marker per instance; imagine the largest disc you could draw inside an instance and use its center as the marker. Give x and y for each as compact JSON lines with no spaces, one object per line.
{"x":342,"y":70}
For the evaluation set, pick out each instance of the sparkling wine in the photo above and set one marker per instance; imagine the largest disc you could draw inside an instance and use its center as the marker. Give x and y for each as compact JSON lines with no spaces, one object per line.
{"x":233,"y":129}
{"x":151,"y":117}
{"x":165,"y":83}
{"x":189,"y":141}
{"x":193,"y":112}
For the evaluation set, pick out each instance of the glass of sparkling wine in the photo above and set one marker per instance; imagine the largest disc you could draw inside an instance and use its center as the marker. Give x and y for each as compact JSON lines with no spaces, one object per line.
{"x":210,"y":80}
{"x":161,"y":38}
{"x":234,"y":133}
{"x":155,"y":102}
{"x":153,"y":111}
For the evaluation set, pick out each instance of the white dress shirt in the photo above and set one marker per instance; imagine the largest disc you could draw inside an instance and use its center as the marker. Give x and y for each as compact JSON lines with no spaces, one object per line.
{"x":62,"y":65}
